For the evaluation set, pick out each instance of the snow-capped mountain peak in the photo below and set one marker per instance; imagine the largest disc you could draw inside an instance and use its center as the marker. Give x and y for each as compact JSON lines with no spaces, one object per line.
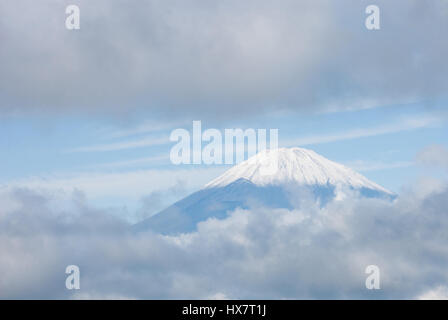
{"x":297,"y":166}
{"x":249,"y":183}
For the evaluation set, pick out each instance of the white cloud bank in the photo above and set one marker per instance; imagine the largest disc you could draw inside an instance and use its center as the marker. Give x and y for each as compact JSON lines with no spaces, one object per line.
{"x":302,"y":253}
{"x":130,"y":184}
{"x":439,"y":293}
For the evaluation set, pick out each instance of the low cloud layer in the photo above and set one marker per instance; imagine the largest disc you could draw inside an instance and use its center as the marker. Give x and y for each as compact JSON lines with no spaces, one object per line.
{"x":259,"y":253}
{"x":218,"y":59}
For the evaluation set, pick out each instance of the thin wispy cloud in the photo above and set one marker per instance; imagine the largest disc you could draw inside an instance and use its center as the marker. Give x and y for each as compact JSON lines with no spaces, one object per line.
{"x":399,"y":126}
{"x":365,"y":166}
{"x":131,"y":144}
{"x":365,"y":104}
{"x":143,"y":128}
{"x":160,"y":159}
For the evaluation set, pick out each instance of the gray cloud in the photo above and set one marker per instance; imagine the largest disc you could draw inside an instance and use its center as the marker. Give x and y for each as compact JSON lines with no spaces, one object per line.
{"x":214,"y":58}
{"x":260,"y":253}
{"x":434,"y":156}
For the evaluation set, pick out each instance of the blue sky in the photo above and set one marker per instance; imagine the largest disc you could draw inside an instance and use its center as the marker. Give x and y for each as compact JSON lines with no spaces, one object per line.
{"x":87,"y":153}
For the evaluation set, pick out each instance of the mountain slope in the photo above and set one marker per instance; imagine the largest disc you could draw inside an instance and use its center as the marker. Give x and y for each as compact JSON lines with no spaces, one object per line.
{"x":299,"y":173}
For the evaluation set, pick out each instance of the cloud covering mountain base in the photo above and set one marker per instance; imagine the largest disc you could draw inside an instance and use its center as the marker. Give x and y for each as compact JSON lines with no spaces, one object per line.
{"x":255,"y":254}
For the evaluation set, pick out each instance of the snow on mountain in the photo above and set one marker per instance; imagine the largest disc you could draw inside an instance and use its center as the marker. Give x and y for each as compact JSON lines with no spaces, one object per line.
{"x":295,"y":165}
{"x":298,"y":173}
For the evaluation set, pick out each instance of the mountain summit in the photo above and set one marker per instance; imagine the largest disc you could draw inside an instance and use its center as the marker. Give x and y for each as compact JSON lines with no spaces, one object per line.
{"x":294,"y":165}
{"x":297,"y":173}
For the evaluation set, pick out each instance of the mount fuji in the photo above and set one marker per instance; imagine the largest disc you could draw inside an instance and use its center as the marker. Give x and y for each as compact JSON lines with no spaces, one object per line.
{"x":299,"y":174}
